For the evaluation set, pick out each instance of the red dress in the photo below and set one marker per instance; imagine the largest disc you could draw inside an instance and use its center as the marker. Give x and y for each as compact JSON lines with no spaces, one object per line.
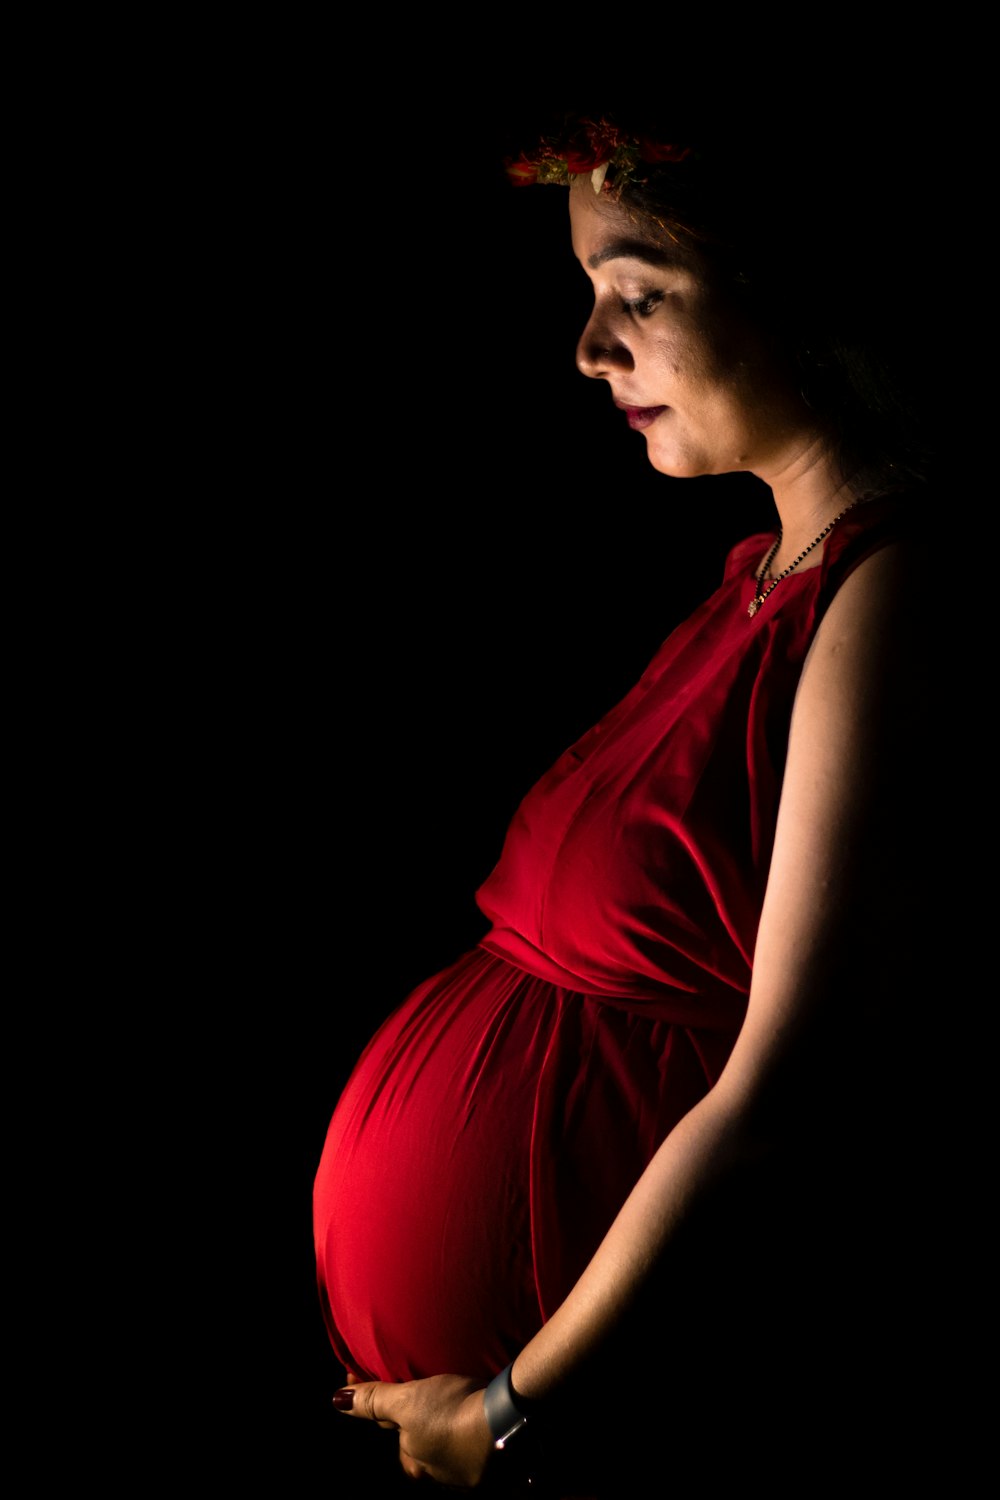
{"x":499,"y":1118}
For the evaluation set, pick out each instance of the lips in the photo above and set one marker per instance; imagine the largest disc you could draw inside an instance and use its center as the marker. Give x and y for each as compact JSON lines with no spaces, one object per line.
{"x":639,"y":417}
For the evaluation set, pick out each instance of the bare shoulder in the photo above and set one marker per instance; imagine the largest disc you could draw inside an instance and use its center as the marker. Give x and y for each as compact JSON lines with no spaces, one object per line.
{"x":866,"y":671}
{"x":883,"y":601}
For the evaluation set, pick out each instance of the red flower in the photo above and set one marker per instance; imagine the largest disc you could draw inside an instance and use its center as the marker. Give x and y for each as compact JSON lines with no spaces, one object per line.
{"x":582,"y":159}
{"x":522,"y":173}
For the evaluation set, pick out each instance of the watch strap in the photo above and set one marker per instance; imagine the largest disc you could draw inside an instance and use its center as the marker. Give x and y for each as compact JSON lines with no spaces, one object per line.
{"x":505,"y":1413}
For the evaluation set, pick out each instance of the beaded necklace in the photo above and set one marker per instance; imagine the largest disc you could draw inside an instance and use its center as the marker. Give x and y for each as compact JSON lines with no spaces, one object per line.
{"x":758,"y":598}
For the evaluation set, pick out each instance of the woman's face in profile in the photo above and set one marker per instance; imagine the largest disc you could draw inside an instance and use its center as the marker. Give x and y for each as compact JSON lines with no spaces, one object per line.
{"x":693,"y":375}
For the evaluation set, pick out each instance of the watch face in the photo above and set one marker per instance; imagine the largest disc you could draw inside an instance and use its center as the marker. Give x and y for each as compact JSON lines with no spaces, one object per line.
{"x":515,"y":1439}
{"x":501,"y":1442}
{"x":520,"y":1461}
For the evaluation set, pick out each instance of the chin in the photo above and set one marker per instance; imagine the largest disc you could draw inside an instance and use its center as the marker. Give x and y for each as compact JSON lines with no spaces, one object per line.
{"x":678,"y":468}
{"x":691,"y":464}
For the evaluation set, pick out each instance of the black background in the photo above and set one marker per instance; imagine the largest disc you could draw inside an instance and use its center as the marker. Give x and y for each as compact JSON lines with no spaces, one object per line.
{"x":332,"y":551}
{"x":410,"y":554}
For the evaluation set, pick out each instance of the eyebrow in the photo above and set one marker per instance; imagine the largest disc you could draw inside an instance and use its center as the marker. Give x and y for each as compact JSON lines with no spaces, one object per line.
{"x":627,"y":249}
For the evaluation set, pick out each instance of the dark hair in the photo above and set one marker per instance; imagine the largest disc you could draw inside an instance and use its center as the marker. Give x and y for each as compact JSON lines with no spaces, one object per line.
{"x":814,"y":239}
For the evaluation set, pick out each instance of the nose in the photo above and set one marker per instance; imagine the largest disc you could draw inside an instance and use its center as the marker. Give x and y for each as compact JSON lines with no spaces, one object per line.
{"x":601,"y":352}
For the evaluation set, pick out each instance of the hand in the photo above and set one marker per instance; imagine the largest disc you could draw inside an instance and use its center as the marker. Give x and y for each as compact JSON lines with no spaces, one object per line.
{"x":443,"y":1432}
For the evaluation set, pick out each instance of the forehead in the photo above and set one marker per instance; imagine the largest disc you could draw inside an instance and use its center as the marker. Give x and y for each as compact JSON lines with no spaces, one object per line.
{"x":604,"y":230}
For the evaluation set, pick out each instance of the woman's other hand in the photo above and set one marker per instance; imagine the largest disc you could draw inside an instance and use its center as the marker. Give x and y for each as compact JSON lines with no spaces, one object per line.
{"x":443,"y":1432}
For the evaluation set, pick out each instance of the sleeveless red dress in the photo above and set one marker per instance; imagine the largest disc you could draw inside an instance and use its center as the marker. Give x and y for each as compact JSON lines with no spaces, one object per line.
{"x":498,"y":1119}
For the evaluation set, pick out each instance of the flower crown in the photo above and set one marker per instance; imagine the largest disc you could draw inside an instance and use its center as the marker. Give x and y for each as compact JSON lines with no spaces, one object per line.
{"x":613,"y":157}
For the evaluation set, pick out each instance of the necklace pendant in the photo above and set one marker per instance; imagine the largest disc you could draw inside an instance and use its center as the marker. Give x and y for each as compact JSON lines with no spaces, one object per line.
{"x":753,"y":607}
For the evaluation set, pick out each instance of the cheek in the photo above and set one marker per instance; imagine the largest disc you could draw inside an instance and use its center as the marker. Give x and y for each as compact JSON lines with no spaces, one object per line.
{"x":725,"y":375}
{"x":683,"y":359}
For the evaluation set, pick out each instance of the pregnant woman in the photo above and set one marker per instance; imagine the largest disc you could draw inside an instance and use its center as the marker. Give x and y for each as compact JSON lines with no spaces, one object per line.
{"x":597,"y":1189}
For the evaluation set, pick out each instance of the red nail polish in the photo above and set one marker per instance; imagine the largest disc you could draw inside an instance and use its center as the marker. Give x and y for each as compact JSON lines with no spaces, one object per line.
{"x":344,"y":1400}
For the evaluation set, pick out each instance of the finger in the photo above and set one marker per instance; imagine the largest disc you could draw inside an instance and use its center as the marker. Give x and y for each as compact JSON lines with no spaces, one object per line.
{"x":375,"y":1400}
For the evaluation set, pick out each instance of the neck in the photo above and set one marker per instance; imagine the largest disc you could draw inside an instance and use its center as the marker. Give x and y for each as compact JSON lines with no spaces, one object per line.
{"x":808,"y":494}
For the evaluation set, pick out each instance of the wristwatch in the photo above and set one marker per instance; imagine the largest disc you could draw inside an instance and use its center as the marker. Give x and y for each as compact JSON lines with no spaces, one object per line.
{"x":512,"y":1422}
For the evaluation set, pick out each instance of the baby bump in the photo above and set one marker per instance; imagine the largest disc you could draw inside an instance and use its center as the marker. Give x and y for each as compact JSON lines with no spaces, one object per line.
{"x":484,"y":1142}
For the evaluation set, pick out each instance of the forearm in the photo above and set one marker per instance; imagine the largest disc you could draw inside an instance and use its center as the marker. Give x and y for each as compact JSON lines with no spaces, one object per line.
{"x":704,"y":1149}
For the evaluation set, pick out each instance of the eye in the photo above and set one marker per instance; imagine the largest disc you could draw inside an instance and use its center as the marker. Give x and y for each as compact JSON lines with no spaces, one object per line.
{"x":642,"y":307}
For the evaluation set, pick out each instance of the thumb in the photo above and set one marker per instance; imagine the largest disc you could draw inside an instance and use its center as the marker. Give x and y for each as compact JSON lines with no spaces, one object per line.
{"x":374,"y":1400}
